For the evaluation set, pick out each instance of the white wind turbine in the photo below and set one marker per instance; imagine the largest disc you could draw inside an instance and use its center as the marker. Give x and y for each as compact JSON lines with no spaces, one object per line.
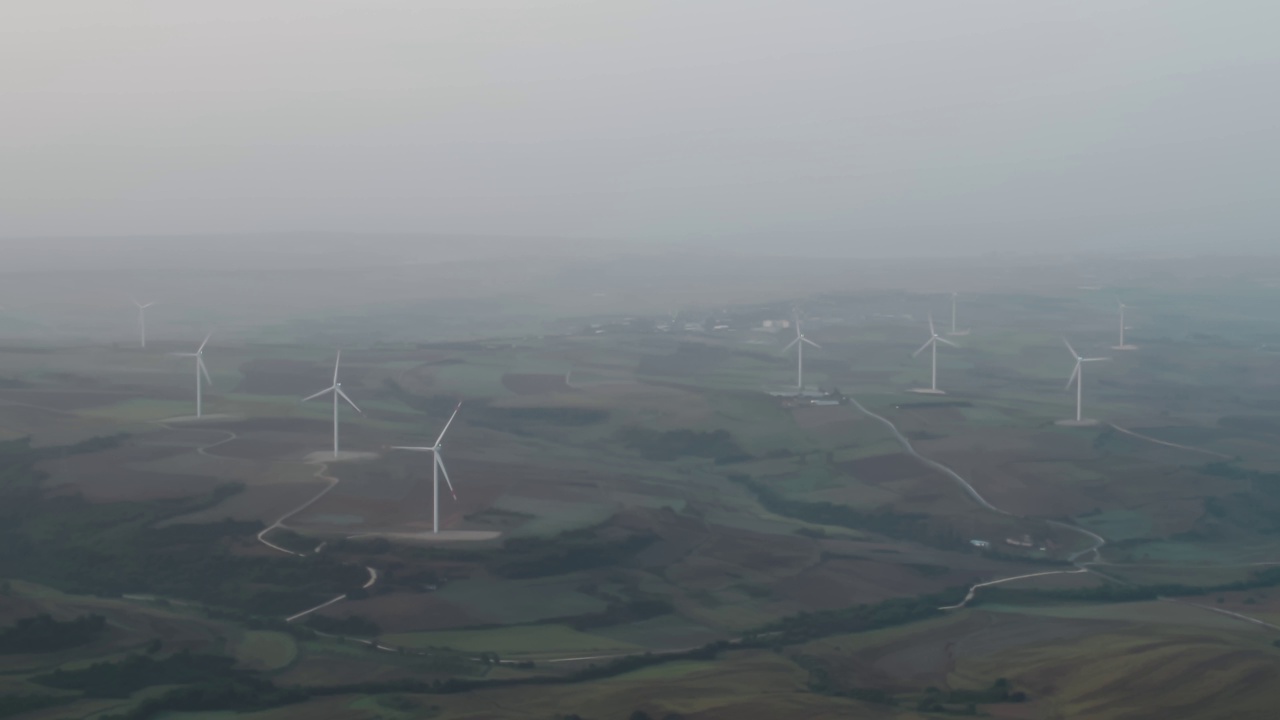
{"x":799,"y":344}
{"x":200,"y":369}
{"x":954,"y":332}
{"x":437,"y":468}
{"x":142,"y":320}
{"x":336,"y":389}
{"x":932,"y":342}
{"x":1122,"y":345}
{"x":1077,"y":377}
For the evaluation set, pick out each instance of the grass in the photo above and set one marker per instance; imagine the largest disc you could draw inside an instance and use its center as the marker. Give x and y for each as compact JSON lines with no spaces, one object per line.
{"x":1117,"y":524}
{"x":667,"y":672}
{"x":1144,"y":613}
{"x":1012,"y":376}
{"x":1150,"y":671}
{"x":525,"y":641}
{"x":266,"y":650}
{"x":555,"y":516}
{"x":521,"y":601}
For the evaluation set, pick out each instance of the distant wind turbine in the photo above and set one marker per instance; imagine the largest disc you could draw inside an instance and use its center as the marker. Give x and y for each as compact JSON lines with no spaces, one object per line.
{"x":142,"y":320}
{"x":1077,"y":377}
{"x":932,"y":342}
{"x":1122,"y":345}
{"x":799,"y":344}
{"x":200,"y":369}
{"x":336,"y":389}
{"x":437,"y":469}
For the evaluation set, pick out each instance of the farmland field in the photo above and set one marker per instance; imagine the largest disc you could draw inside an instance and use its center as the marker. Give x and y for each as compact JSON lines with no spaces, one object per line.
{"x":620,"y":486}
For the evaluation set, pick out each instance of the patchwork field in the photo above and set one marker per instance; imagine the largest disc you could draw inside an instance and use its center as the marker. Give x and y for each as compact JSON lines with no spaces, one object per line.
{"x":637,"y":490}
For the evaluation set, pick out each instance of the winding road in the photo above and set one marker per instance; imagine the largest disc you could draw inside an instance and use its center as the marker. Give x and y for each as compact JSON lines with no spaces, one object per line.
{"x":322,"y":474}
{"x":1097,"y":541}
{"x":1166,"y":443}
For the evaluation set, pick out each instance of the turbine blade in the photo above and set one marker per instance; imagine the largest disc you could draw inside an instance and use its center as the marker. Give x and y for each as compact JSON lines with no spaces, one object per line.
{"x":450,"y":422}
{"x":923,"y":347}
{"x":335,"y":368}
{"x":1075,"y":373}
{"x":205,"y":342}
{"x":807,"y":340}
{"x":322,"y":392}
{"x":1071,"y":349}
{"x":411,"y":448}
{"x":440,"y":462}
{"x":203,"y":369}
{"x":931,"y":330}
{"x":947,"y":342}
{"x":791,"y":344}
{"x":1097,"y":359}
{"x":344,"y":397}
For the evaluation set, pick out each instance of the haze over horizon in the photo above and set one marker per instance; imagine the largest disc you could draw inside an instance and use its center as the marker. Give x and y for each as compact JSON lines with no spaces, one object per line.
{"x":821,"y":128}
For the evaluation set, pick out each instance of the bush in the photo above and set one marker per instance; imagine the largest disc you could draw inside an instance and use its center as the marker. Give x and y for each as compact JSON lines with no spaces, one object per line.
{"x":350,"y":625}
{"x":718,"y":445}
{"x":41,"y":634}
{"x":121,"y":679}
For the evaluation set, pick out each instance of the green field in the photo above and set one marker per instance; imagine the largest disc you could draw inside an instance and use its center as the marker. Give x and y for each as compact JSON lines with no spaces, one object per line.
{"x":264,"y":650}
{"x":663,"y":501}
{"x":522,"y":641}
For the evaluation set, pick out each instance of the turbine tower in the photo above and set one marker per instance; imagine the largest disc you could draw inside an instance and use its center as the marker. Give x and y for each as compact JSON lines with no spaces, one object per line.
{"x":932,"y":342}
{"x":200,"y":369}
{"x":142,"y":320}
{"x":437,"y":468}
{"x":1077,"y":377}
{"x":336,"y":389}
{"x":1122,"y":345}
{"x":799,"y":344}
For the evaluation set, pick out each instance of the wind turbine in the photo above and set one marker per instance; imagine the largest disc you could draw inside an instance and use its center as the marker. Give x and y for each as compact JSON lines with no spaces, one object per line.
{"x":932,"y":342}
{"x":1077,"y":377}
{"x":336,"y":389}
{"x":799,"y":344}
{"x":954,"y":332}
{"x":200,"y":369}
{"x":437,"y":468}
{"x":1122,"y":345}
{"x":142,"y":319}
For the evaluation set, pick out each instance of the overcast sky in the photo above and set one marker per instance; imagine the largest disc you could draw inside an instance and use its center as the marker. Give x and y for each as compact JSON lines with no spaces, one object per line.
{"x":857,"y":127}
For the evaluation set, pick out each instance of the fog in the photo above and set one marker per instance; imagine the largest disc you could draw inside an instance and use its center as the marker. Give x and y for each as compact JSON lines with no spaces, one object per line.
{"x":834,"y":128}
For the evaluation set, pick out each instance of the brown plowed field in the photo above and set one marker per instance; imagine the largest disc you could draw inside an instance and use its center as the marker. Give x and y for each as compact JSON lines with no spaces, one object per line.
{"x":407,"y":612}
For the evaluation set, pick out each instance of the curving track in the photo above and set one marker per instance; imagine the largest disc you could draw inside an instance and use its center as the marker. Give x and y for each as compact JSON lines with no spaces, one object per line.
{"x":1097,"y":540}
{"x":321,"y":473}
